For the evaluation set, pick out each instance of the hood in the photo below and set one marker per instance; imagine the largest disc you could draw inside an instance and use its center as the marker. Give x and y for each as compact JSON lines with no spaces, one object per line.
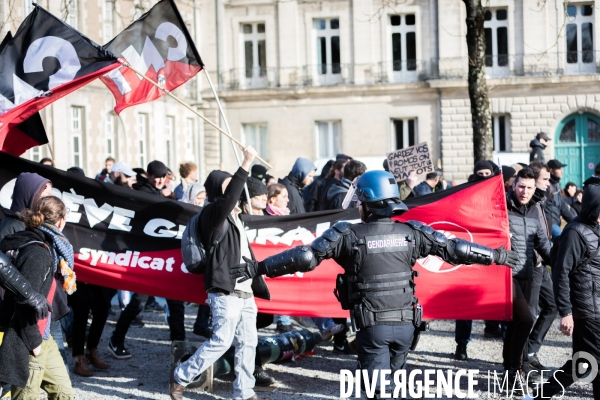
{"x":590,"y":205}
{"x":28,"y":187}
{"x":537,"y":143}
{"x":15,"y":240}
{"x":302,"y":167}
{"x":191,"y":192}
{"x":214,"y":184}
{"x":591,"y":181}
{"x":339,"y":187}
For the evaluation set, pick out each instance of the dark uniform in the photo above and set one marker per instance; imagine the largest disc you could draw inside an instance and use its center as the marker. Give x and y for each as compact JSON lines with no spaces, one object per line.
{"x":377,"y":256}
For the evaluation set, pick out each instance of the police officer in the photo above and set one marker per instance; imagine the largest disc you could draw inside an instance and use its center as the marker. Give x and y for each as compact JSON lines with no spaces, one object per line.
{"x":13,"y":281}
{"x":377,"y":257}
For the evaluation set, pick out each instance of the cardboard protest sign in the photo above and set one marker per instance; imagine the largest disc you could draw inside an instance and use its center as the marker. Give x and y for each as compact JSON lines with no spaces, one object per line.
{"x":415,"y":158}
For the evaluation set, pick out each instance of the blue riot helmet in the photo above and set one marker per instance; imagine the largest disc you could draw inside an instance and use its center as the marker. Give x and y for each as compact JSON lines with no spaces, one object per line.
{"x":378,"y":190}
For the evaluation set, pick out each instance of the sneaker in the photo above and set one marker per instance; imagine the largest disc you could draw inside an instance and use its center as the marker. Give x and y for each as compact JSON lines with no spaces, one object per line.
{"x":138,"y":322}
{"x":81,"y":367}
{"x":461,"y":352}
{"x":263,"y":379}
{"x":332,"y":330}
{"x":284,"y":328}
{"x":119,"y":352}
{"x":345,"y":347}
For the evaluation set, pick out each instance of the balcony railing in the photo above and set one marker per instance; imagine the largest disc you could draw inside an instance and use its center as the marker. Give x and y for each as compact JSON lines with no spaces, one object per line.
{"x":410,"y":71}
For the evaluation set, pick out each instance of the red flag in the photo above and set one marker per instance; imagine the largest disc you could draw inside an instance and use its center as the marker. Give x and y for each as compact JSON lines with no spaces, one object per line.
{"x":146,"y":46}
{"x":46,"y":60}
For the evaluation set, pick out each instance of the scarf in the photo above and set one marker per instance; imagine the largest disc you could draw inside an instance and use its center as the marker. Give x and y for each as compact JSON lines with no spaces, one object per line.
{"x":277,"y":211}
{"x":64,"y":259}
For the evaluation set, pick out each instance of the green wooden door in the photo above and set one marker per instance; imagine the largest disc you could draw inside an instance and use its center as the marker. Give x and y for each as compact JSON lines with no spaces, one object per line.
{"x":578,"y":146}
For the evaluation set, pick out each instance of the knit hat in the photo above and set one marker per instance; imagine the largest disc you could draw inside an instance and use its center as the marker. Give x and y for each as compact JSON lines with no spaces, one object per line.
{"x":483,"y":164}
{"x":507,"y":172}
{"x":255,"y":188}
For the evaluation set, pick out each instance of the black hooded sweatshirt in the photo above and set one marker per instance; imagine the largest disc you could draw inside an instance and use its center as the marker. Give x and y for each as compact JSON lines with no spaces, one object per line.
{"x":579,"y":293}
{"x":217,"y":222}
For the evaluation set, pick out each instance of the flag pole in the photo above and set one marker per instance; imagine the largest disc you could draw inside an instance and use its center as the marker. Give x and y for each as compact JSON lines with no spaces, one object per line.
{"x":126,"y":64}
{"x":51,"y":152}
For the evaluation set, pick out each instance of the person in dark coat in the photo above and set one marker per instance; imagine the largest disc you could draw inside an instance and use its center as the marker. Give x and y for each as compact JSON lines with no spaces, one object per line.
{"x":577,"y":202}
{"x":537,"y":147}
{"x":154,"y":181}
{"x":26,"y":346}
{"x":576,"y":275}
{"x":569,"y":193}
{"x":428,"y":185}
{"x":311,"y":193}
{"x":302,"y":174}
{"x":337,"y":192}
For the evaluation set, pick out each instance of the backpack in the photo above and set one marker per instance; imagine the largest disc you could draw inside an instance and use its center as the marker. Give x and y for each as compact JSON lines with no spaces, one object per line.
{"x":581,"y":264}
{"x":192,"y":249}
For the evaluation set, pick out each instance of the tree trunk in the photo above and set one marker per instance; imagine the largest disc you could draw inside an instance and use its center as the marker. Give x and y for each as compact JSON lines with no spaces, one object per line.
{"x":481,"y":117}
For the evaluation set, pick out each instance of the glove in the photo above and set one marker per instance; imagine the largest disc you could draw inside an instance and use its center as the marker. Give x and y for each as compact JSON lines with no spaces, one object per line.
{"x":247,"y":270}
{"x":38,"y":304}
{"x":506,"y":257}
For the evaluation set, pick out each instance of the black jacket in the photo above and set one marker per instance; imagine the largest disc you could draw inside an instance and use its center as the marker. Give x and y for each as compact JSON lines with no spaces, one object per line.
{"x":579,"y":293}
{"x":215,"y":221}
{"x":296,"y":203}
{"x":10,"y":224}
{"x":143,"y":185}
{"x":336,"y":194}
{"x":36,"y":264}
{"x":311,"y":193}
{"x":555,"y":206}
{"x":537,"y":151}
{"x":528,"y":235}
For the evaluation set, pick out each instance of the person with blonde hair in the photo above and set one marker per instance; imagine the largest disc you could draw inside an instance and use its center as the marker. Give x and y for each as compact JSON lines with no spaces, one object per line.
{"x":29,"y":355}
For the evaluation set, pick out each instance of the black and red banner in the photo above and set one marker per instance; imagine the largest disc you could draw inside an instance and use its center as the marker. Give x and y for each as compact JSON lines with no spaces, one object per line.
{"x":29,"y":133}
{"x":130,"y":240}
{"x":159,"y":45}
{"x":44,"y":61}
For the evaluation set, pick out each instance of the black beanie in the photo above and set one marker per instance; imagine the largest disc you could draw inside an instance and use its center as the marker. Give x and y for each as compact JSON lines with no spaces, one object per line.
{"x":507,"y":173}
{"x":258,"y":171}
{"x":255,"y":188}
{"x":483,"y":164}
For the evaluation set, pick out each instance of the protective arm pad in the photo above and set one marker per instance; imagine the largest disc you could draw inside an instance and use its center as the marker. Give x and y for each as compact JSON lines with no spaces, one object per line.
{"x":298,"y":259}
{"x":463,"y":252}
{"x":12,"y":280}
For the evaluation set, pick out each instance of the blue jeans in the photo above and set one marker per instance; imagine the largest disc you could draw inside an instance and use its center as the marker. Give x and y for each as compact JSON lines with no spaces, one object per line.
{"x":323,"y":323}
{"x":233,"y":323}
{"x":555,"y":232}
{"x":284,"y":320}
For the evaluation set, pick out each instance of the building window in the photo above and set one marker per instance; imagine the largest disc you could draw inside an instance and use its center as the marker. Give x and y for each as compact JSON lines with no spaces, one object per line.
{"x":27,"y":7}
{"x":501,"y":133}
{"x":328,"y":47}
{"x":404,"y":42}
{"x":76,"y":113}
{"x":169,"y":131}
{"x":72,"y":11}
{"x":496,"y":40}
{"x":405,"y":133}
{"x":108,"y":20}
{"x":142,"y":133}
{"x":329,"y":139}
{"x":76,"y":150}
{"x":109,"y":134}
{"x":255,"y":135}
{"x":35,"y":154}
{"x":189,"y":138}
{"x":77,"y":131}
{"x":580,"y":38}
{"x":255,"y":53}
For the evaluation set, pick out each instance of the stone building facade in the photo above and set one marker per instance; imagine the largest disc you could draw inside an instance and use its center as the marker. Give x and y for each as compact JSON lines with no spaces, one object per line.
{"x":316,"y":77}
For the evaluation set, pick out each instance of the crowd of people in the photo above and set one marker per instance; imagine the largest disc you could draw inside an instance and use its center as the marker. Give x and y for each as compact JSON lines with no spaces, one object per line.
{"x":33,"y":355}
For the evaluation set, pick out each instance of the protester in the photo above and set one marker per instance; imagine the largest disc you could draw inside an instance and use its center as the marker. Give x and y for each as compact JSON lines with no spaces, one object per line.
{"x":154,"y":181}
{"x":333,"y":177}
{"x":258,"y":197}
{"x":569,"y":193}
{"x":517,"y":167}
{"x":189,"y":174}
{"x":508,"y":176}
{"x":429,"y":184}
{"x":337,"y":192}
{"x":232,"y":303}
{"x":259,"y":172}
{"x":311,"y":193}
{"x":483,"y":169}
{"x":47,"y":161}
{"x":301,"y":175}
{"x":538,"y":145}
{"x":576,"y":276}
{"x":384,"y":313}
{"x":527,"y":237}
{"x":194,"y":194}
{"x":108,"y":164}
{"x":277,"y":200}
{"x":121,"y":175}
{"x":555,"y":206}
{"x":270,"y":180}
{"x":577,"y":202}
{"x":29,"y":355}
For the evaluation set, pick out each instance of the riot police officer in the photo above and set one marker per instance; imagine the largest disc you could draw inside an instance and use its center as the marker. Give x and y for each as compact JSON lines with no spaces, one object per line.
{"x":377,"y":256}
{"x":13,"y":281}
